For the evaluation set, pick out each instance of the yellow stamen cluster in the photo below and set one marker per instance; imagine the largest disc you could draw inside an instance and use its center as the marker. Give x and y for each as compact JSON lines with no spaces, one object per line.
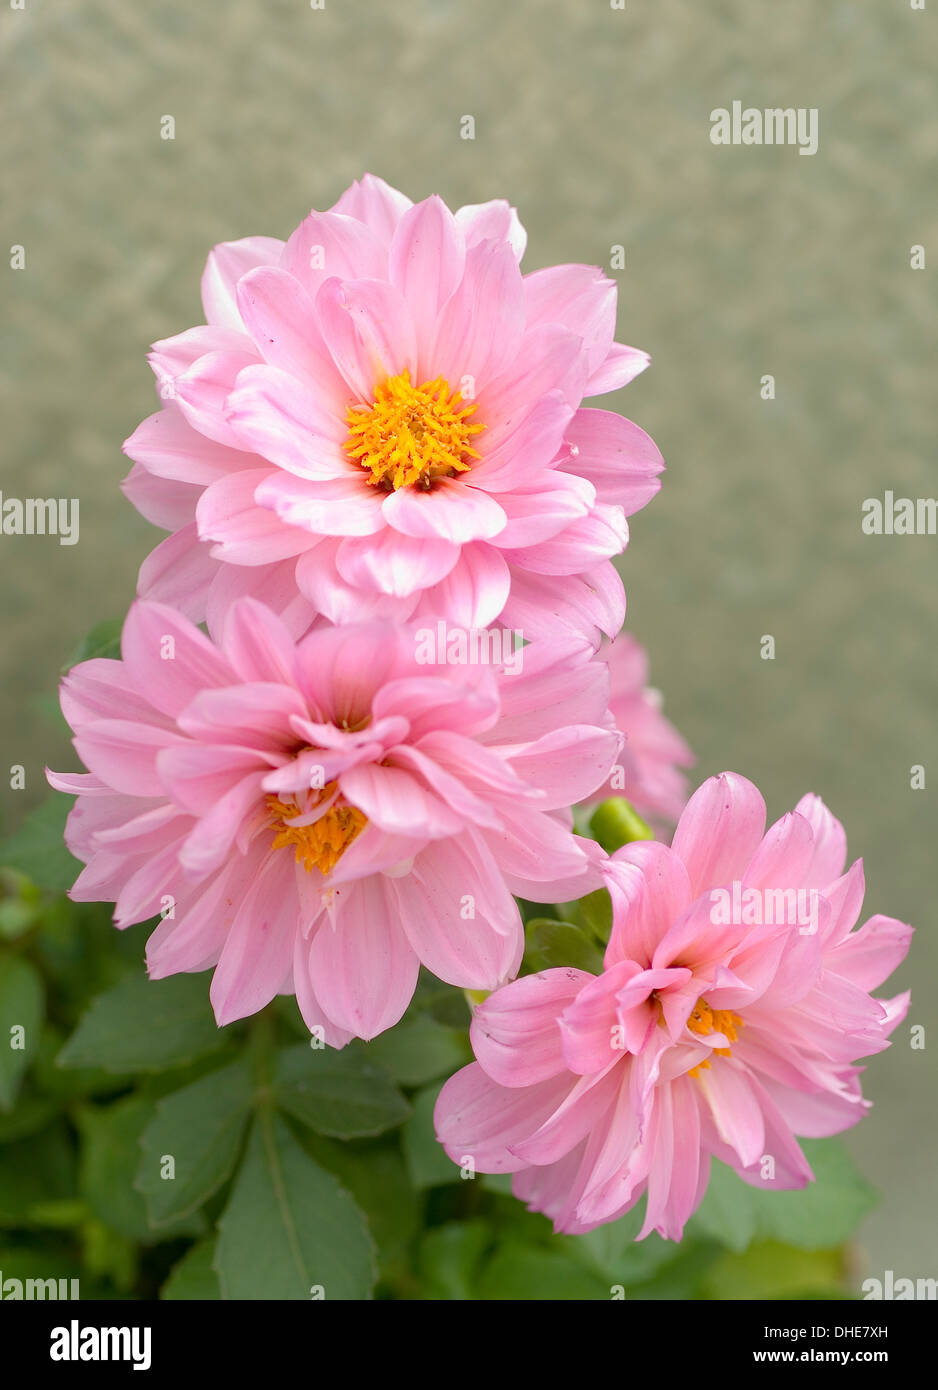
{"x":412,"y":435}
{"x":322,"y":844}
{"x":704,"y":1020}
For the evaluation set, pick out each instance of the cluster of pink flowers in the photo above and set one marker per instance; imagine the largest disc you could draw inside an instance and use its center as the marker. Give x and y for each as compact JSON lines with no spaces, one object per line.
{"x":390,"y":509}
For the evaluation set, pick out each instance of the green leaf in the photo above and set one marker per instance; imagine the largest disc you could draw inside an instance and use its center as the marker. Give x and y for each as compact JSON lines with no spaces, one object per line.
{"x":337,"y":1093}
{"x":199,"y":1128}
{"x":35,"y":1171}
{"x":194,"y":1277}
{"x":290,"y":1231}
{"x":109,"y":1161}
{"x":104,"y":640}
{"x":427,"y":1162}
{"x":420,"y":1050}
{"x":770,"y":1269}
{"x":38,"y":848}
{"x":21,"y":1009}
{"x":373,"y":1171}
{"x":551,"y":945}
{"x":145,"y":1025}
{"x":528,"y":1272}
{"x":821,"y":1215}
{"x":450,"y":1257}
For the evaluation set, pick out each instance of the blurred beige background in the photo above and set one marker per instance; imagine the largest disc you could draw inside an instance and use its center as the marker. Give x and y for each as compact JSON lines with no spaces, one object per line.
{"x":739,"y":262}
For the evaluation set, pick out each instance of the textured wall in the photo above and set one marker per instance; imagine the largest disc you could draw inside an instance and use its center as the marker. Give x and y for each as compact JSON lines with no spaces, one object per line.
{"x":739,"y":262}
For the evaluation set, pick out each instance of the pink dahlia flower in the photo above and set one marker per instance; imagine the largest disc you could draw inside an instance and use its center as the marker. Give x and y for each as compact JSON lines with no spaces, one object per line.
{"x":734,"y":1000}
{"x":384,"y":415}
{"x":320,"y":818}
{"x":648,"y":771}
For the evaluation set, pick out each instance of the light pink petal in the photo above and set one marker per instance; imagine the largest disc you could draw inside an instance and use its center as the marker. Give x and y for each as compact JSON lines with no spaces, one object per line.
{"x":258,"y":949}
{"x":124,"y":754}
{"x":719,"y":831}
{"x":178,"y":572}
{"x":537,"y":512}
{"x":166,"y":444}
{"x":275,"y":586}
{"x":590,"y":603}
{"x":328,"y":244}
{"x":550,"y":360}
{"x":541,"y":860}
{"x":450,"y":511}
{"x":588,"y":1026}
{"x":370,"y":333}
{"x":396,"y":801}
{"x":493,"y":221}
{"x":579,"y":547}
{"x":226,"y":263}
{"x":280,"y":315}
{"x":257,"y":644}
{"x":171,"y":357}
{"x":458,"y":915}
{"x":784,"y":855}
{"x":869,"y":956}
{"x":473,"y":593}
{"x":390,"y":563}
{"x":622,"y":365}
{"x":557,"y":685}
{"x":309,"y":1006}
{"x":202,"y":393}
{"x":170,"y":658}
{"x":650,"y":890}
{"x":515,"y":1032}
{"x":735,"y":1108}
{"x":830,"y":841}
{"x":338,"y":600}
{"x":581,"y":298}
{"x":480,"y":327}
{"x":518,"y":455}
{"x":426,"y":263}
{"x":478,"y":1119}
{"x":162,"y":501}
{"x":375,"y":203}
{"x":363,"y":970}
{"x":343,"y":506}
{"x":243,"y":532}
{"x":284,"y":421}
{"x":619,"y":459}
{"x":568,"y":764}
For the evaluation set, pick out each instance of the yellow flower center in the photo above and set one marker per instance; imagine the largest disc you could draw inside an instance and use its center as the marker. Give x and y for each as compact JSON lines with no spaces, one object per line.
{"x":704,"y":1020}
{"x":412,"y":435}
{"x":322,"y":844}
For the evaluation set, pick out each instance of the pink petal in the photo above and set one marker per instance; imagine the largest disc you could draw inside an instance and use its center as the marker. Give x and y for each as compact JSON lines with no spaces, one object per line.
{"x":622,"y":365}
{"x":178,"y":572}
{"x":370,"y":333}
{"x":284,"y":421}
{"x":375,"y":203}
{"x":450,"y":511}
{"x":390,"y":563}
{"x":515,"y":1032}
{"x":226,"y":263}
{"x":619,"y":459}
{"x":492,"y":221}
{"x":480,"y":327}
{"x":280,"y":316}
{"x":258,"y":949}
{"x":719,"y":831}
{"x":426,"y":263}
{"x":364,"y":971}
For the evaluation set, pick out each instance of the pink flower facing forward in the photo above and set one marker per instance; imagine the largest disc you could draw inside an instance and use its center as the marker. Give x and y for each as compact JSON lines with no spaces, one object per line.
{"x":320,"y":818}
{"x":705,"y":1036}
{"x":382,"y":415}
{"x":648,"y":769}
